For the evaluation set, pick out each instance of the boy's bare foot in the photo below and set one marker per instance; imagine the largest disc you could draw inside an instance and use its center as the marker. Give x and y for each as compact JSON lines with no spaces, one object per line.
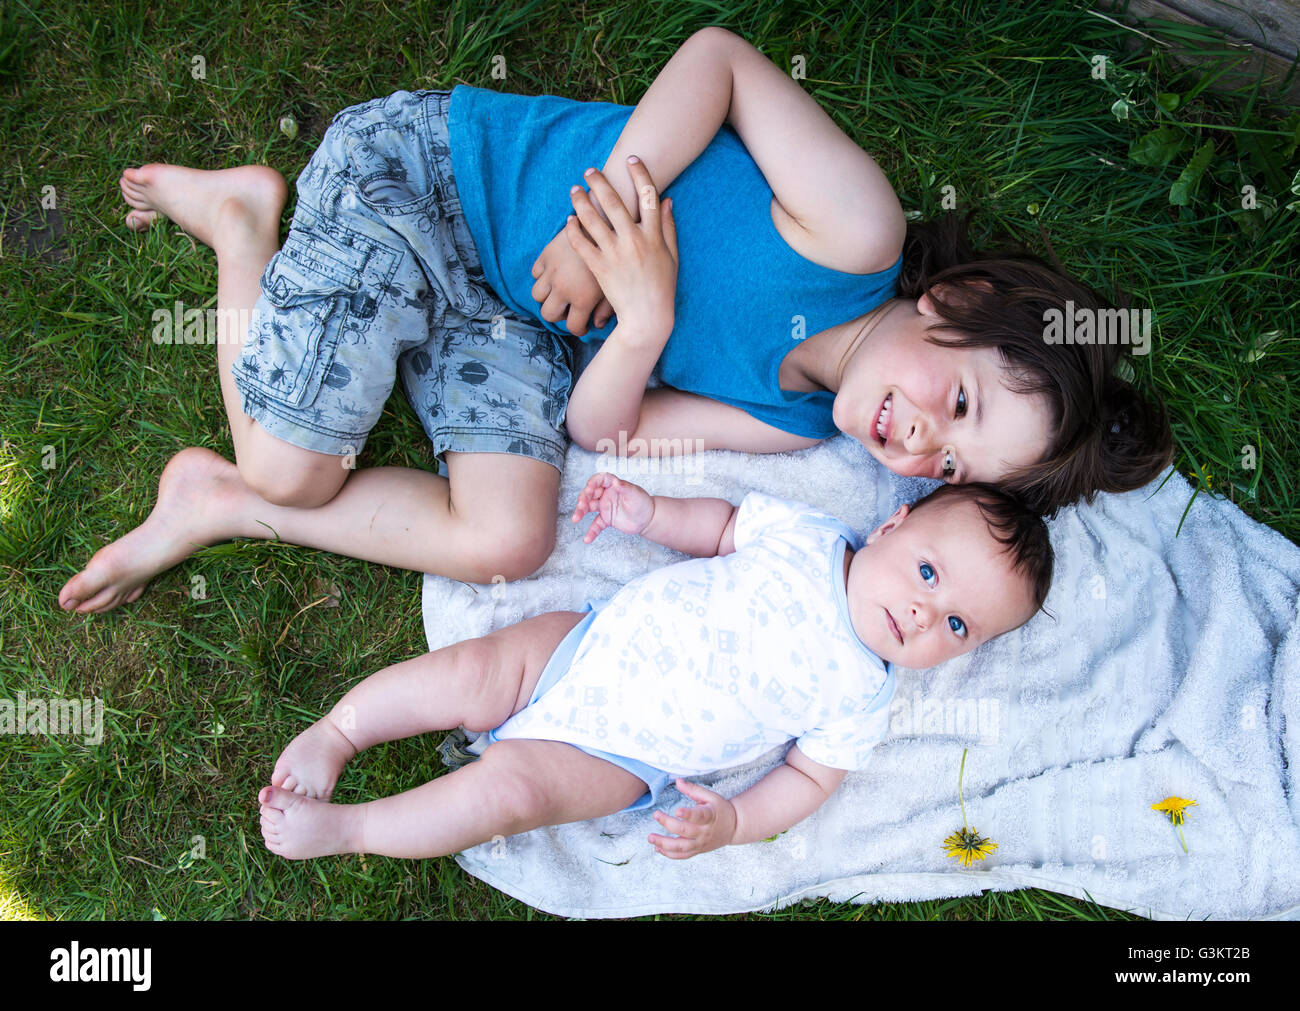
{"x":299,"y":827}
{"x":211,"y":206}
{"x":200,"y":497}
{"x":311,"y":764}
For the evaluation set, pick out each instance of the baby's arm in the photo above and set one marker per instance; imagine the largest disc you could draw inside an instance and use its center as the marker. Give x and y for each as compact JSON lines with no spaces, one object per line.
{"x":780,"y":800}
{"x":703,"y":527}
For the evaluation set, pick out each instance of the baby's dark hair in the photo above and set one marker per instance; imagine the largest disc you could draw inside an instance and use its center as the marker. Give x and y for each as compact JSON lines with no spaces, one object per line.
{"x":1105,"y":435}
{"x":1020,"y":529}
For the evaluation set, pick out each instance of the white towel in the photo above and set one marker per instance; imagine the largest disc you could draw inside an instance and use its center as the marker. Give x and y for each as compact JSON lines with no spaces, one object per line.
{"x":1172,"y":668}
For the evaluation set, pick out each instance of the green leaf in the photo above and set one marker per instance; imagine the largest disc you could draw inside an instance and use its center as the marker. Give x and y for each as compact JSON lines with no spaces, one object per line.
{"x":1180,"y":193}
{"x":1251,"y":222}
{"x":1291,"y":126}
{"x":1264,"y":157}
{"x":1169,"y":101}
{"x":1158,"y":147}
{"x":1257,"y":349}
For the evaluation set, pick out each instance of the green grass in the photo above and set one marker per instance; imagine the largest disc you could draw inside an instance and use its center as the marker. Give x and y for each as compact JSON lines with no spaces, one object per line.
{"x":998,"y":103}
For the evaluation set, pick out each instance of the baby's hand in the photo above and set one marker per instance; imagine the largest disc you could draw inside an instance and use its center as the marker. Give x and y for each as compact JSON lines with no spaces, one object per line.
{"x":617,"y":503}
{"x":710,"y":825}
{"x":635,"y":262}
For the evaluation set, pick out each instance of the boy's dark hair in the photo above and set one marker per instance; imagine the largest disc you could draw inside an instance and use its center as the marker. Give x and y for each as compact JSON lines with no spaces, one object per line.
{"x":1105,"y":435}
{"x":1012,"y":524}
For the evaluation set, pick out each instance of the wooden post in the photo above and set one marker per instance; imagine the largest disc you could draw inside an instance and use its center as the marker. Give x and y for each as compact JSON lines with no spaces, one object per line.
{"x":1265,"y":34}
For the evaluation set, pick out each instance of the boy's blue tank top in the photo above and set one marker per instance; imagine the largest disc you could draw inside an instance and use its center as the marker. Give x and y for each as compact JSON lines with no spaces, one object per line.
{"x":744,"y":297}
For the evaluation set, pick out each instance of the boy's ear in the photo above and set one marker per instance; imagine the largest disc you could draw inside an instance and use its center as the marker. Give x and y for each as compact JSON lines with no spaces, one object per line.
{"x":890,"y":524}
{"x":949,"y":293}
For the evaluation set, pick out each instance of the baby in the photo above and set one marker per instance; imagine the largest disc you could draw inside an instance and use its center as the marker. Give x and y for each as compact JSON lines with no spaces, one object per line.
{"x":784,"y":627}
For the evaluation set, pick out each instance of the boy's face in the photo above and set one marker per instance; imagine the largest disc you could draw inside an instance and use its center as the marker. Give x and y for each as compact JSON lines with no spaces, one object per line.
{"x":932,"y":585}
{"x":921,"y":409}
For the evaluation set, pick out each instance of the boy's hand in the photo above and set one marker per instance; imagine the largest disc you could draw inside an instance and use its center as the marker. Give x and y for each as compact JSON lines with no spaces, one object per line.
{"x":620,"y":504}
{"x":710,"y":825}
{"x":635,"y":262}
{"x":567,"y":289}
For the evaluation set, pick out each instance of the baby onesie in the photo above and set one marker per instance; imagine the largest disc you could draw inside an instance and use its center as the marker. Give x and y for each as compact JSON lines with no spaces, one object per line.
{"x":711,"y":662}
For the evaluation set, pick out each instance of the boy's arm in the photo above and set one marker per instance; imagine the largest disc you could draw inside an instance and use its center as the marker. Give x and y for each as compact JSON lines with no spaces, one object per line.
{"x":635,"y":261}
{"x":832,"y":189}
{"x":779,"y":801}
{"x":842,"y":204}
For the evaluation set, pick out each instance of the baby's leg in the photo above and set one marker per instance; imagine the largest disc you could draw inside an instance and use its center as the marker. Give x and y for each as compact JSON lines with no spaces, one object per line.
{"x":517,"y":786}
{"x":477,"y":684}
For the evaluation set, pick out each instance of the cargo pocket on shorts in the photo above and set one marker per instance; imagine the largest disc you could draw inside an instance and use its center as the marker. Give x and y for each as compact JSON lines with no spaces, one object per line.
{"x":308,"y":287}
{"x":394,"y":168}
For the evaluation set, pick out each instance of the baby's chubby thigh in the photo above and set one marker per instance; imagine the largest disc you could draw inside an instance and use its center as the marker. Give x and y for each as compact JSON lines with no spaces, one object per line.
{"x":532,"y":783}
{"x":500,"y":671}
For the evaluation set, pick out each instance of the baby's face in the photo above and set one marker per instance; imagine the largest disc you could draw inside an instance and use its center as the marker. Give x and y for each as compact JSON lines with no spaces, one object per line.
{"x":932,"y":585}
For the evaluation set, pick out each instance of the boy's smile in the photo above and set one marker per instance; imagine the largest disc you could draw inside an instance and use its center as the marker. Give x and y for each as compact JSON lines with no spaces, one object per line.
{"x":932,"y":585}
{"x":931,"y":411}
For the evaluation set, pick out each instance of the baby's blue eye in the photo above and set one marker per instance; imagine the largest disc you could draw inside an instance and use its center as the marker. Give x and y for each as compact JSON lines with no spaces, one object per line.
{"x":961,"y":403}
{"x":927,"y":573}
{"x":957,"y":625}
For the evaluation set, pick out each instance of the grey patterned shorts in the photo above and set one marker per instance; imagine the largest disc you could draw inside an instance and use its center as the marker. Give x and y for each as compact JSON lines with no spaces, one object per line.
{"x":379,"y":274}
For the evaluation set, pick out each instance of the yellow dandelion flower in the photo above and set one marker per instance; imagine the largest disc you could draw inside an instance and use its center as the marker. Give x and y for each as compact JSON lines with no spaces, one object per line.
{"x":1174,"y":807}
{"x":967,"y":845}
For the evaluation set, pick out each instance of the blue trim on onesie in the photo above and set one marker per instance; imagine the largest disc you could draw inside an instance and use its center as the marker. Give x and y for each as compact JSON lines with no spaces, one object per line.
{"x":656,"y":780}
{"x":840,"y":588}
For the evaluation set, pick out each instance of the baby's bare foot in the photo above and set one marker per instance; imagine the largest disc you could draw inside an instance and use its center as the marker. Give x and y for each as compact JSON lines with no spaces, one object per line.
{"x":208,"y":205}
{"x":200,"y":494}
{"x":311,"y":764}
{"x":298,"y":827}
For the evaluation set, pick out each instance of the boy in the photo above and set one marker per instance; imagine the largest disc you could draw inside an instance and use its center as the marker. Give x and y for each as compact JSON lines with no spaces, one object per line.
{"x":781,"y":628}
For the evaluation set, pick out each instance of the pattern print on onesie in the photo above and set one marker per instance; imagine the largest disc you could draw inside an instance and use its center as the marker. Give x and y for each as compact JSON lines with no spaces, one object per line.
{"x":711,"y":662}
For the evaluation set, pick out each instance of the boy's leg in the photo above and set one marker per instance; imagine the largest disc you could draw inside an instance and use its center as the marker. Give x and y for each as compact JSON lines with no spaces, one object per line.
{"x":237,"y":213}
{"x":517,"y":786}
{"x":478,"y":684}
{"x":495,"y":517}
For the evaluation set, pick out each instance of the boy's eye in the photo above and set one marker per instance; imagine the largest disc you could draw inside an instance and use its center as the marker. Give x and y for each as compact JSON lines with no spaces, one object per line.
{"x":957,"y":625}
{"x":927,"y":572}
{"x":961,"y":402}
